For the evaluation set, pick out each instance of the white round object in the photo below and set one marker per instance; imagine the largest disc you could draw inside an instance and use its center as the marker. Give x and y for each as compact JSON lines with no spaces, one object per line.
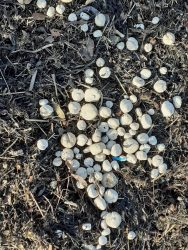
{"x":60,"y":8}
{"x":131,"y":158}
{"x":146,"y":121}
{"x":100,"y":62}
{"x":41,"y":4}
{"x":134,"y":126}
{"x":42,"y":144}
{"x":102,"y":240}
{"x":57,"y":162}
{"x":177,"y":101}
{"x":97,"y":33}
{"x":132,"y":44}
{"x":43,"y":102}
{"x":100,"y":157}
{"x":169,"y":38}
{"x":97,"y":168}
{"x":81,"y":140}
{"x":89,"y":142}
{"x":100,"y":20}
{"x":58,"y":153}
{"x":106,"y":232}
{"x":161,"y":147}
{"x":132,"y":132}
{"x":96,"y":137}
{"x":152,"y":140}
{"x":130,"y":146}
{"x":103,"y":222}
{"x":145,"y":73}
{"x":81,"y":125}
{"x":105,"y":72}
{"x":145,"y":147}
{"x":138,"y":82}
{"x":81,"y":172}
{"x":110,"y":196}
{"x":138,"y":112}
{"x":89,"y":80}
{"x":120,"y":45}
{"x":133,"y":98}
{"x":89,"y":73}
{"x":109,"y":180}
{"x":86,"y":226}
{"x":66,"y":1}
{"x":74,"y":108}
{"x":105,"y":112}
{"x":155,"y":20}
{"x":113,"y":219}
{"x":88,"y":162}
{"x":92,"y":191}
{"x":74,"y":164}
{"x":148,"y":47}
{"x":126,"y":106}
{"x":154,"y":173}
{"x":98,"y":176}
{"x":77,"y":95}
{"x":90,"y":171}
{"x":100,"y":203}
{"x":157,"y":160}
{"x":92,"y":95}
{"x":80,"y":185}
{"x":127,"y":136}
{"x":72,"y":17}
{"x":84,"y":16}
{"x":106,"y":166}
{"x":67,"y":154}
{"x":46,"y":111}
{"x":105,"y":139}
{"x":151,"y":111}
{"x":51,"y":12}
{"x":84,"y":27}
{"x":97,"y":148}
{"x":167,"y":109}
{"x":109,"y":104}
{"x":163,"y":70}
{"x":121,"y":131}
{"x":24,"y":1}
{"x":162,"y":168}
{"x":160,"y":86}
{"x":116,"y":150}
{"x":126,"y":119}
{"x":91,"y":179}
{"x":113,"y":123}
{"x":79,"y":156}
{"x":131,"y":235}
{"x":112,"y":134}
{"x":115,"y":165}
{"x":88,"y":112}
{"x":142,"y":138}
{"x":68,"y":140}
{"x":110,"y":144}
{"x":103,"y":215}
{"x":141,"y":155}
{"x":103,"y":127}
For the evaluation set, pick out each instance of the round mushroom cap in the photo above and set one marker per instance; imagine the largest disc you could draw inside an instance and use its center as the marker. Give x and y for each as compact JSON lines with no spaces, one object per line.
{"x":81,"y":125}
{"x":77,"y":95}
{"x":100,"y":20}
{"x":100,"y":203}
{"x":112,"y":134}
{"x":138,"y":82}
{"x":113,"y":219}
{"x":169,"y":38}
{"x":102,"y":240}
{"x":162,"y":168}
{"x":105,"y":72}
{"x":100,"y":62}
{"x":74,"y":108}
{"x":92,"y":95}
{"x":92,"y":191}
{"x":82,"y":172}
{"x":103,"y":127}
{"x":157,"y":160}
{"x":167,"y":109}
{"x":68,"y":140}
{"x":57,"y":162}
{"x":105,"y":112}
{"x":126,"y":119}
{"x":142,"y":138}
{"x":81,"y":140}
{"x":116,"y":150}
{"x":96,"y":137}
{"x":106,"y":166}
{"x":154,"y":173}
{"x":88,"y":112}
{"x":146,"y":121}
{"x":42,"y":144}
{"x":160,"y":86}
{"x":131,"y":235}
{"x":111,"y":196}
{"x":67,"y":154}
{"x":72,"y":17}
{"x":130,"y":146}
{"x":126,"y":106}
{"x":145,"y":73}
{"x":132,"y":44}
{"x":148,"y":47}
{"x":177,"y":101}
{"x":113,"y":123}
{"x":97,"y":148}
{"x":109,"y":180}
{"x":46,"y":111}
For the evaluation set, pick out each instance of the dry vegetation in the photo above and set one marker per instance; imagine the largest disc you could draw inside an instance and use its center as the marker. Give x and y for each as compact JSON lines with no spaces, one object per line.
{"x":31,"y":211}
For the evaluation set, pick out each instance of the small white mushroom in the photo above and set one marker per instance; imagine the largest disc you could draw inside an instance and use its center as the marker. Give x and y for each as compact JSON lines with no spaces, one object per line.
{"x":109,"y":104}
{"x":113,"y":219}
{"x":106,"y":231}
{"x":112,"y":134}
{"x":81,"y":172}
{"x":81,"y":125}
{"x":77,"y":95}
{"x":100,"y":20}
{"x":138,"y":82}
{"x":81,"y":140}
{"x":131,"y":158}
{"x":177,"y":101}
{"x":160,"y":86}
{"x":106,"y":151}
{"x":134,"y":126}
{"x":142,"y":138}
{"x":98,"y":176}
{"x":90,"y":171}
{"x":92,"y":95}
{"x":103,"y":127}
{"x":110,"y":144}
{"x":152,"y":140}
{"x":100,"y":157}
{"x":97,"y":148}
{"x":133,"y":98}
{"x":89,"y":80}
{"x":148,"y":47}
{"x":84,"y":16}
{"x":97,"y":33}
{"x":106,"y":166}
{"x":88,"y":162}
{"x":102,"y":240}
{"x":138,"y":112}
{"x":74,"y":108}
{"x":74,"y":164}
{"x":100,"y":203}
{"x":131,"y":235}
{"x":161,"y":147}
{"x":109,"y":180}
{"x":67,"y":154}
{"x":115,"y":165}
{"x":51,"y":12}
{"x":126,"y":106}
{"x":68,"y":140}
{"x":43,"y":102}
{"x":132,"y":44}
{"x":157,"y":160}
{"x":155,"y":20}
{"x":146,"y":121}
{"x":162,"y":168}
{"x":96,"y":137}
{"x":121,"y":131}
{"x":105,"y":112}
{"x":103,"y":215}
{"x":110,"y":196}
{"x":72,"y":17}
{"x":151,"y":111}
{"x":105,"y":72}
{"x":145,"y":73}
{"x":58,"y":153}
{"x":116,"y":150}
{"x":167,"y":109}
{"x":80,"y":185}
{"x":46,"y":111}
{"x":89,"y":73}
{"x":163,"y":70}
{"x":105,"y":139}
{"x":86,"y":226}
{"x":120,"y":45}
{"x":132,"y":132}
{"x":169,"y":38}
{"x":66,"y":1}
{"x":89,"y":142}
{"x":113,"y":123}
{"x":97,"y":168}
{"x":154,"y":173}
{"x":84,"y":27}
{"x":100,"y":62}
{"x":92,"y":191}
{"x":91,"y":179}
{"x":145,"y":147}
{"x":57,"y":162}
{"x":41,"y":4}
{"x":130,"y":146}
{"x":88,"y":112}
{"x":79,"y":156}
{"x":60,"y":8}
{"x":42,"y":144}
{"x":141,"y":155}
{"x":126,"y":119}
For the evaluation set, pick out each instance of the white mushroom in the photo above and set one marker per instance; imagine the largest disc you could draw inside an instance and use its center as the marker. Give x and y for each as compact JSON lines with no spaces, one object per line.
{"x":106,"y":232}
{"x":100,"y":62}
{"x":157,"y":160}
{"x":109,"y":180}
{"x":110,"y":196}
{"x":103,"y":127}
{"x":74,"y":164}
{"x":89,"y":73}
{"x":161,"y":147}
{"x":72,"y":17}
{"x":146,"y":121}
{"x":126,"y":106}
{"x":152,"y":140}
{"x":97,"y":168}
{"x":160,"y":86}
{"x":106,"y":166}
{"x":106,"y":151}
{"x":90,"y":171}
{"x":92,"y":191}
{"x":105,"y":112}
{"x":81,"y":172}
{"x":51,"y":12}
{"x":113,"y":219}
{"x":162,"y":168}
{"x":141,"y":155}
{"x":105,"y":72}
{"x":151,"y":111}
{"x":100,"y":157}
{"x":88,"y":112}
{"x":97,"y":148}
{"x":130,"y":146}
{"x":24,"y":1}
{"x":116,"y":150}
{"x":155,"y":20}
{"x":138,"y":112}
{"x":167,"y":109}
{"x":86,"y":226}
{"x":66,"y":1}
{"x":145,"y":73}
{"x":80,"y":185}
{"x":112,"y":134}
{"x":68,"y":140}
{"x":92,"y":95}
{"x":42,"y":144}
{"x":60,"y":8}
{"x":77,"y":95}
{"x":126,"y":119}
{"x":133,"y":98}
{"x":96,"y":137}
{"x":43,"y":102}
{"x":46,"y":111}
{"x":142,"y":138}
{"x":109,"y":104}
{"x":67,"y":154}
{"x":89,"y":80}
{"x":88,"y":162}
{"x":132,"y":132}
{"x":132,"y":44}
{"x":134,"y":126}
{"x":154,"y":173}
{"x":97,"y":33}
{"x":84,"y":27}
{"x":110,"y":144}
{"x":81,"y":125}
{"x":98,"y":176}
{"x":41,"y":4}
{"x":100,"y":20}
{"x":163,"y":70}
{"x":74,"y":108}
{"x":115,"y":165}
{"x":81,"y":140}
{"x":57,"y":162}
{"x":120,"y":45}
{"x":100,"y":203}
{"x":145,"y":147}
{"x":169,"y":38}
{"x":138,"y":82}
{"x":131,"y":235}
{"x":58,"y":153}
{"x":84,"y":16}
{"x":131,"y":158}
{"x":113,"y":123}
{"x":121,"y":131}
{"x":148,"y":47}
{"x":79,"y":156}
{"x":102,"y":240}
{"x":177,"y":101}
